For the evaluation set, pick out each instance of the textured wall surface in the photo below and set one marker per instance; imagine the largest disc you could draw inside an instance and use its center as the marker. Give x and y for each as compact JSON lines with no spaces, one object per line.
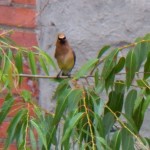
{"x":89,"y":25}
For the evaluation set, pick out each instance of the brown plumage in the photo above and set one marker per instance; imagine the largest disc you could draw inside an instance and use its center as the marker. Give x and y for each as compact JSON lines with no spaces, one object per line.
{"x":64,"y":55}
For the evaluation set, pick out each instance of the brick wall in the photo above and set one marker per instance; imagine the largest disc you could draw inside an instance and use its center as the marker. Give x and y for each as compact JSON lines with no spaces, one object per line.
{"x":19,"y":15}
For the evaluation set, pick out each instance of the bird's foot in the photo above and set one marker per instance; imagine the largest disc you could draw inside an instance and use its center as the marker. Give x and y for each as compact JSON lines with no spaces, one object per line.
{"x":58,"y":75}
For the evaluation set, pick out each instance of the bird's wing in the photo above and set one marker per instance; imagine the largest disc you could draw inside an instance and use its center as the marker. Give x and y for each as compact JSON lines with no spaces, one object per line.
{"x":74,"y":55}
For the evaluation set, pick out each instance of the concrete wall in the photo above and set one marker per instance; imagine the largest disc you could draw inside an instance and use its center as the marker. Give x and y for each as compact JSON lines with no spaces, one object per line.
{"x":88,"y":24}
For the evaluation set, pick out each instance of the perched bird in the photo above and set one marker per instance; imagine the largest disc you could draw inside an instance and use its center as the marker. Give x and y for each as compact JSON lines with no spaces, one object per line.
{"x":64,"y":55}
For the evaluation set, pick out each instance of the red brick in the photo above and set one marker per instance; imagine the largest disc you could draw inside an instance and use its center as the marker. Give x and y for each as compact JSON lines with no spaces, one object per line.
{"x":5,"y":2}
{"x":20,"y":17}
{"x":30,"y":2}
{"x":3,"y":129}
{"x":27,"y":84}
{"x":26,"y":39}
{"x":11,"y":147}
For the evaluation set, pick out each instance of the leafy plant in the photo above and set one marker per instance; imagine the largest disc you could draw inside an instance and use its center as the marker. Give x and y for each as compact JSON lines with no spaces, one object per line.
{"x":95,"y":109}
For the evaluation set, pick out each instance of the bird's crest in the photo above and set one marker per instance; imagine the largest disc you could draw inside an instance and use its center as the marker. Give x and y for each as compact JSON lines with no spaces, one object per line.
{"x":61,"y":36}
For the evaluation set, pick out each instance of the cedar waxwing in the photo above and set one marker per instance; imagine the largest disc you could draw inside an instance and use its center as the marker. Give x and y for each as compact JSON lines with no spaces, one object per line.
{"x":65,"y":55}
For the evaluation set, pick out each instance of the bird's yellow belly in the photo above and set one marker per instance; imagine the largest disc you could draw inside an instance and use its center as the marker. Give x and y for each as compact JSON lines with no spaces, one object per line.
{"x":65,"y":62}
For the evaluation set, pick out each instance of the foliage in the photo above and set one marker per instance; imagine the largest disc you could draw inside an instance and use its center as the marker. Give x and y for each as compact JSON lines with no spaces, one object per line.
{"x":106,"y":113}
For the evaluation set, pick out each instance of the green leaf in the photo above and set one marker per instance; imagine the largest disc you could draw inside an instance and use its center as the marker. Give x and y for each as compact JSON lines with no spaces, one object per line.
{"x":73,"y":99}
{"x":21,"y":133}
{"x":115,"y":102}
{"x":73,"y":121}
{"x":130,"y":123}
{"x":13,"y":127}
{"x":19,"y":62}
{"x":109,"y":81}
{"x":43,"y":65}
{"x":119,"y":65}
{"x":42,"y":135}
{"x":62,"y":104}
{"x":99,"y":84}
{"x":33,"y":140}
{"x":32,"y":62}
{"x":26,"y":95}
{"x":140,"y":96}
{"x":98,"y":126}
{"x":6,"y":107}
{"x":85,"y":68}
{"x":103,"y":50}
{"x":116,"y":141}
{"x":108,"y":121}
{"x":130,"y":102}
{"x":143,"y":84}
{"x":7,"y":62}
{"x":147,"y":67}
{"x":141,"y":52}
{"x":109,"y":63}
{"x":46,"y":57}
{"x":138,"y":116}
{"x":127,"y":140}
{"x":145,"y":105}
{"x":130,"y":67}
{"x":104,"y":143}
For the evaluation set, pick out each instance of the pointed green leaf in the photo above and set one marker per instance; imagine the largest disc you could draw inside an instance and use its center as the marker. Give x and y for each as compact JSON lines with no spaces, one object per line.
{"x":33,"y":140}
{"x":143,"y":84}
{"x":115,"y":102}
{"x":40,"y":133}
{"x":99,"y":84}
{"x":103,"y":50}
{"x":130,"y":123}
{"x":147,"y":67}
{"x":116,"y":141}
{"x":73,"y":121}
{"x":108,"y":122}
{"x":98,"y":125}
{"x":145,"y":105}
{"x":138,"y":116}
{"x":7,"y":62}
{"x":140,"y":53}
{"x":104,"y":143}
{"x":13,"y":127}
{"x":6,"y":107}
{"x":26,"y":95}
{"x":130,"y":102}
{"x":43,"y":65}
{"x":74,"y":98}
{"x":85,"y":68}
{"x":46,"y":57}
{"x":127,"y":140}
{"x":109,"y":63}
{"x":130,"y":67}
{"x":109,"y":81}
{"x":19,"y":62}
{"x":32,"y":62}
{"x":119,"y":65}
{"x":140,"y":96}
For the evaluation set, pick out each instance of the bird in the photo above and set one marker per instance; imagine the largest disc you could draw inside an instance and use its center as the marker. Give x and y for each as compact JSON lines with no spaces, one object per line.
{"x":64,"y":55}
